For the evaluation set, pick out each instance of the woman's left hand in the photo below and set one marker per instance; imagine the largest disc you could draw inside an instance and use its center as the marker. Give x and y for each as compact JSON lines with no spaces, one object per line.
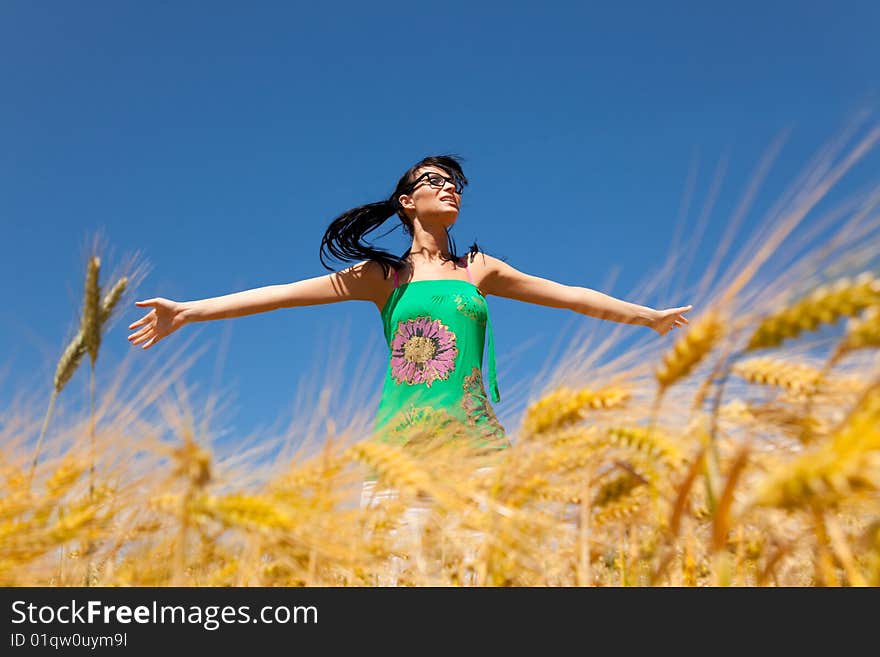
{"x":666,"y":320}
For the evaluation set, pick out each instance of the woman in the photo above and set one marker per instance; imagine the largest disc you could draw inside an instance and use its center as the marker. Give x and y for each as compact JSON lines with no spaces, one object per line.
{"x":431,"y":301}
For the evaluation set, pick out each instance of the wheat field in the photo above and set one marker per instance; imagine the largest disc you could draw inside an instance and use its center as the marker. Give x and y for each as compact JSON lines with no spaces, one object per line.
{"x":742,"y":451}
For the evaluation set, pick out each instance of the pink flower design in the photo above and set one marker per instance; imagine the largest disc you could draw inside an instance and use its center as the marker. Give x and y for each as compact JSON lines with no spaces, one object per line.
{"x":422,"y":351}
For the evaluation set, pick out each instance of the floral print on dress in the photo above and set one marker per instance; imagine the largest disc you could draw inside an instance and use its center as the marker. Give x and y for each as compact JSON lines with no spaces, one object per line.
{"x":423,"y":350}
{"x":479,"y":411}
{"x":472,"y":306}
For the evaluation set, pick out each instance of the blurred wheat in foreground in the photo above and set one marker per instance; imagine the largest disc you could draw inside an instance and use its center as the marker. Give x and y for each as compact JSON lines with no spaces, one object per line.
{"x":743,"y":451}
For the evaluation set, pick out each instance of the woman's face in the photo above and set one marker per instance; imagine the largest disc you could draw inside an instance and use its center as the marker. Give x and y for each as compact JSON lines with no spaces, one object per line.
{"x":430,"y":203}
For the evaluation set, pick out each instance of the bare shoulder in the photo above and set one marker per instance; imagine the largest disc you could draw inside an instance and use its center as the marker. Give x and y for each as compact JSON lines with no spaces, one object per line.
{"x":484,"y":269}
{"x":365,"y":280}
{"x":369,"y":270}
{"x":486,"y":263}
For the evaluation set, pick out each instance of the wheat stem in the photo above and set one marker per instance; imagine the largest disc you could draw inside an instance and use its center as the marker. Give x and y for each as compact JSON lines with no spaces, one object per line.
{"x":42,"y":433}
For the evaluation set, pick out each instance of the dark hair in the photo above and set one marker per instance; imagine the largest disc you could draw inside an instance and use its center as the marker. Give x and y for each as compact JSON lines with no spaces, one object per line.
{"x":343,"y":238}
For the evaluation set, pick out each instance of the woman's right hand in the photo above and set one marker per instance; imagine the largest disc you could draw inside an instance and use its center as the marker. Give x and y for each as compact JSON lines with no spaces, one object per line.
{"x":164,"y":318}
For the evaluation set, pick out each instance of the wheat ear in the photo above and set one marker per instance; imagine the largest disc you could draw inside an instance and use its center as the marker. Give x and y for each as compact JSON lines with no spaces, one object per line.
{"x":825,"y":305}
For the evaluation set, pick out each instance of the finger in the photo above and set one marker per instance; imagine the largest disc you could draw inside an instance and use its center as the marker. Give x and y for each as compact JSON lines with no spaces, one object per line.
{"x":146,"y":333}
{"x":147,"y":327}
{"x":135,"y":336}
{"x":148,"y":302}
{"x":140,"y":322}
{"x":151,"y":343}
{"x":143,"y":320}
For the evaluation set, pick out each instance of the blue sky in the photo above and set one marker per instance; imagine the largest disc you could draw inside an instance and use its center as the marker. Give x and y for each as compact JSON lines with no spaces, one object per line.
{"x":220,"y":140}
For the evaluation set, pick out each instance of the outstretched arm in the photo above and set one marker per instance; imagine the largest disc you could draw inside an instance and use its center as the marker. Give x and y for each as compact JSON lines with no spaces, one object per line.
{"x":358,"y":282}
{"x":505,"y":281}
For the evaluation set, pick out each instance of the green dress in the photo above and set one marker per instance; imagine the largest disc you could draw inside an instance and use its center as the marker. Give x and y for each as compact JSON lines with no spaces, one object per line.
{"x":435,"y":330}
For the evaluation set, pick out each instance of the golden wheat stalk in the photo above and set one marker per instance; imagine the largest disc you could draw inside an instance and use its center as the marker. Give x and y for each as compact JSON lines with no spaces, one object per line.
{"x":825,"y":305}
{"x":616,"y":488}
{"x":91,"y":332}
{"x":682,"y":492}
{"x":622,"y":508}
{"x":44,"y":524}
{"x":584,"y":561}
{"x":79,"y":344}
{"x":64,"y":477}
{"x":721,"y":519}
{"x":800,"y":382}
{"x":830,"y":389}
{"x":794,"y":377}
{"x":192,"y":463}
{"x":71,"y":358}
{"x":842,"y":551}
{"x":391,"y":464}
{"x":792,"y":421}
{"x":862,"y":333}
{"x":561,"y":454}
{"x":111,"y":299}
{"x":69,"y":362}
{"x":690,"y":349}
{"x":870,"y":544}
{"x":713,"y":378}
{"x":646,"y":441}
{"x":249,"y":512}
{"x":30,"y":542}
{"x":847,"y":464}
{"x":826,"y":573}
{"x":565,"y":406}
{"x":90,"y":325}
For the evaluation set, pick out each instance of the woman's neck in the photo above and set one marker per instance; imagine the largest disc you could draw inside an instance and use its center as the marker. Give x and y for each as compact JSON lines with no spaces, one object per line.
{"x":428,"y":258}
{"x":430,"y":244}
